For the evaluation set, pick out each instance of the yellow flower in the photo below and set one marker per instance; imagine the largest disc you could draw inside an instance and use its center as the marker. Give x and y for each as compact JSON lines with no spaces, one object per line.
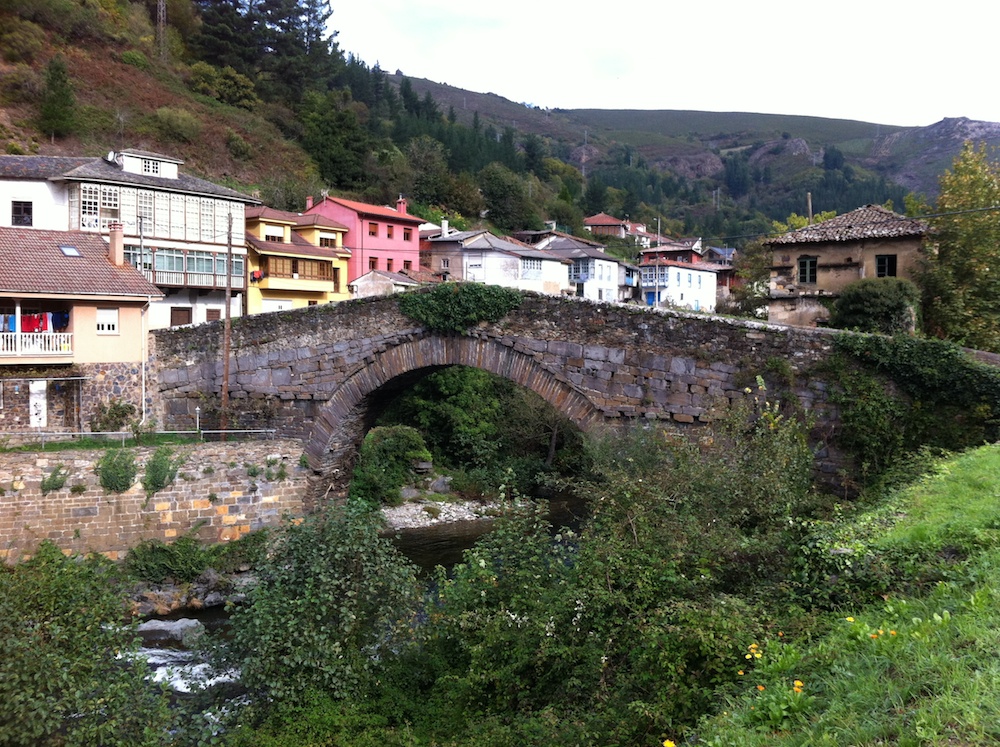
{"x":798,"y":683}
{"x":892,"y":632}
{"x":668,"y":743}
{"x":740,"y":673}
{"x":849,"y":619}
{"x":761,"y":687}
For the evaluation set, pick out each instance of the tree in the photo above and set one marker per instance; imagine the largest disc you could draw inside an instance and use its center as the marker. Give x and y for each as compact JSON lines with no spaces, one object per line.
{"x":507,"y":199}
{"x":57,"y":113}
{"x":884,"y":305}
{"x":963,"y":267}
{"x":753,"y":268}
{"x":69,"y":672}
{"x":323,"y":613}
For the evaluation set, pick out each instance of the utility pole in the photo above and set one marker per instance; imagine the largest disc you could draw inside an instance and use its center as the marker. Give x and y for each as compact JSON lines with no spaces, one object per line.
{"x":161,"y":27}
{"x":226,"y":329}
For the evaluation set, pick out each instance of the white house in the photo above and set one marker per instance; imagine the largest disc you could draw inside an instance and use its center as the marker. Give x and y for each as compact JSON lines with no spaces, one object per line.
{"x":679,"y":284}
{"x":481,"y":257}
{"x":178,"y":230}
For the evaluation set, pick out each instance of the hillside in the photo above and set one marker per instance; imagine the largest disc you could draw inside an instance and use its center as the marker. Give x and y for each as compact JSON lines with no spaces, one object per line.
{"x":222,"y":98}
{"x":689,"y":143}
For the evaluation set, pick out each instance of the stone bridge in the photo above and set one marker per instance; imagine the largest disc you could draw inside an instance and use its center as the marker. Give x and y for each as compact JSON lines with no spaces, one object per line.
{"x":323,"y":374}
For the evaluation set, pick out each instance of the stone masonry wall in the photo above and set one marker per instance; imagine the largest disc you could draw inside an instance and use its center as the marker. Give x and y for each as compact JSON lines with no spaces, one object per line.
{"x":222,"y":491}
{"x":311,"y":373}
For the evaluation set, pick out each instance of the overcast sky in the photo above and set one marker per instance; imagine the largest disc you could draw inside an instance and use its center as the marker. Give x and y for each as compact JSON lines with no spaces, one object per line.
{"x":896,"y":63}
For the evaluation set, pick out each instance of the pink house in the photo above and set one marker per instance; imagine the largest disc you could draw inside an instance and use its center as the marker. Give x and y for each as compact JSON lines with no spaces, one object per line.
{"x":379,"y":238}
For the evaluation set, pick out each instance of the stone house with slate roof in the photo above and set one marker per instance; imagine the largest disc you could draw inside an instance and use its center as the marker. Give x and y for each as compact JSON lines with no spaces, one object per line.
{"x":74,"y":319}
{"x":177,"y":227}
{"x":812,"y":265}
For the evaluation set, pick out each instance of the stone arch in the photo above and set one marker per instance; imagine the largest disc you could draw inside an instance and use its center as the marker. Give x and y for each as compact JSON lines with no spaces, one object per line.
{"x":338,"y":426}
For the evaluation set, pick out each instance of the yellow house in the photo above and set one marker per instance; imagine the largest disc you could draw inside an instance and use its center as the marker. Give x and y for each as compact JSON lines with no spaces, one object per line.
{"x":294,"y":260}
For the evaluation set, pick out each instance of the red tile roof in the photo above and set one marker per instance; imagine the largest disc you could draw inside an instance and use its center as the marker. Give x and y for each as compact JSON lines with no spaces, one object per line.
{"x":363,"y":208}
{"x":262,"y":212}
{"x":32,"y":262}
{"x":603,"y":219}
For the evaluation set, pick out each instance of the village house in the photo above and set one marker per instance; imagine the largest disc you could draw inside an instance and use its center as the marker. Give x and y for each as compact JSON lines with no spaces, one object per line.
{"x":378,"y":238}
{"x":179,"y":231}
{"x":480,"y":257}
{"x":382,"y":283}
{"x":294,"y":260}
{"x":682,"y":285}
{"x":594,"y":273}
{"x":811,"y":266}
{"x":75,"y":318}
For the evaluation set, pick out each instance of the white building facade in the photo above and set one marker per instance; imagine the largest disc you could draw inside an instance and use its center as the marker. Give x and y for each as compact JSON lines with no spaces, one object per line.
{"x":185,"y":234}
{"x":679,"y":285}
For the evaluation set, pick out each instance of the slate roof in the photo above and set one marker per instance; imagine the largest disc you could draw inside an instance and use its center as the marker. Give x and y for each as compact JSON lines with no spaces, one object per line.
{"x":59,"y":169}
{"x":868,"y":222}
{"x":484,"y":240}
{"x":31,"y":262}
{"x":396,"y":277}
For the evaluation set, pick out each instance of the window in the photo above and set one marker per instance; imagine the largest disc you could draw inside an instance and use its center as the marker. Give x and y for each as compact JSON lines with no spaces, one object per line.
{"x":109,"y":206}
{"x":90,"y":206}
{"x":213,"y":315}
{"x":328,"y":241}
{"x":107,"y":321}
{"x":372,"y":263}
{"x":689,"y":280}
{"x":388,"y":265}
{"x":388,"y":232}
{"x":445,"y":263}
{"x":69,"y":251}
{"x":531,"y":268}
{"x":180,"y":315}
{"x":271,"y":236}
{"x":20,"y":213}
{"x":407,"y":265}
{"x":313,"y":303}
{"x":202,"y":262}
{"x":144,"y":210}
{"x":407,"y":234}
{"x":807,"y":269}
{"x":373,"y":229}
{"x":170,"y":260}
{"x":150,"y":167}
{"x":885,"y":265}
{"x":336,"y":280}
{"x":140,"y":261}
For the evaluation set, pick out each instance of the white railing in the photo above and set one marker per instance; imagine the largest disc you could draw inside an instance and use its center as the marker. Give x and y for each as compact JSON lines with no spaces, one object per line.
{"x":36,"y":343}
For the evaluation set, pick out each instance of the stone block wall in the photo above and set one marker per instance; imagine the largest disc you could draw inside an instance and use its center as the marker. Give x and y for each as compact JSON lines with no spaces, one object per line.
{"x":222,"y":491}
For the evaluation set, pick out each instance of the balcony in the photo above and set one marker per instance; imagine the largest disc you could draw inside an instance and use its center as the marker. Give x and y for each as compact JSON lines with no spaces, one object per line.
{"x":34,"y":344}
{"x":193,"y":279}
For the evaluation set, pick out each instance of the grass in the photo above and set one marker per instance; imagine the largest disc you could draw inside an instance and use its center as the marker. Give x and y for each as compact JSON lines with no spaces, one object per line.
{"x":909,"y":669}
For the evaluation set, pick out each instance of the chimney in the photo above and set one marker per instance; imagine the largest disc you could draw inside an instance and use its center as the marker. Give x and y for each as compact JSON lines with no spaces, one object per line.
{"x":401,"y":205}
{"x":444,"y":228}
{"x":309,"y":202}
{"x":116,"y":246}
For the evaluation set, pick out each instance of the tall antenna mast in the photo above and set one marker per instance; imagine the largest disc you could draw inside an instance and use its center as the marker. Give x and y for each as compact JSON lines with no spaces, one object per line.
{"x":161,"y":26}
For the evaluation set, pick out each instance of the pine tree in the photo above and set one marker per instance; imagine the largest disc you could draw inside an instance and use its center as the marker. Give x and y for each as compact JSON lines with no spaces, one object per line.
{"x":58,"y":108}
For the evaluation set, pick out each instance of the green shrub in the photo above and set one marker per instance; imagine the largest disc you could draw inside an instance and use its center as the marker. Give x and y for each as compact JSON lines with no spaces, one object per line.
{"x":155,"y":561}
{"x":884,"y":305}
{"x":117,"y":470}
{"x":13,"y":149}
{"x":20,"y":40}
{"x":178,"y":124}
{"x":54,"y":480}
{"x":113,"y":416}
{"x":238,"y":147}
{"x":385,"y":463}
{"x":78,"y":488}
{"x":135,"y":59}
{"x":21,"y":85}
{"x":161,"y":470}
{"x":454,"y":307}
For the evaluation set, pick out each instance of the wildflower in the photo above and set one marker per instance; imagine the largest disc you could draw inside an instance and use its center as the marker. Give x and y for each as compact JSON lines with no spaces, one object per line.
{"x":761,"y":687}
{"x":797,"y":686}
{"x":849,"y":619}
{"x":892,"y":632}
{"x":873,"y":635}
{"x":668,"y":743}
{"x":780,"y":634}
{"x":740,"y":673}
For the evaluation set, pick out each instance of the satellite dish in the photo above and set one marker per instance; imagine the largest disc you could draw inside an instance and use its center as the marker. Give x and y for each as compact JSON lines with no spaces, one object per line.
{"x":110,"y":158}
